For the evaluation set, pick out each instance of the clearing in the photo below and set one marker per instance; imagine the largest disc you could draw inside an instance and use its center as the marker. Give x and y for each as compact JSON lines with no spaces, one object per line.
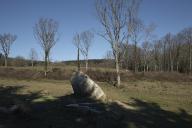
{"x":158,"y":104}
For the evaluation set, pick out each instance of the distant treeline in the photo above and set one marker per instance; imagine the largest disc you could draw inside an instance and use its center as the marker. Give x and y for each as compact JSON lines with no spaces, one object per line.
{"x":170,"y":53}
{"x":20,"y":61}
{"x":109,"y":63}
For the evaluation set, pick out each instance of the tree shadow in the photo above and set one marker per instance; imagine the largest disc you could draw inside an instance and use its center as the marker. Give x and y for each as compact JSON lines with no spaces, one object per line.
{"x":151,"y":115}
{"x":9,"y":100}
{"x":55,"y":114}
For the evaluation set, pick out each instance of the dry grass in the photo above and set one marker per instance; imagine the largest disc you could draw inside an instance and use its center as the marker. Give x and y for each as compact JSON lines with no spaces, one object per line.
{"x":169,"y":95}
{"x":161,"y":104}
{"x":97,"y":74}
{"x":158,"y":99}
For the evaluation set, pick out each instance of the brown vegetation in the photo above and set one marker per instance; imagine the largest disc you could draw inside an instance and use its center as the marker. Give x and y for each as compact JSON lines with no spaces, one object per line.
{"x":95,"y":74}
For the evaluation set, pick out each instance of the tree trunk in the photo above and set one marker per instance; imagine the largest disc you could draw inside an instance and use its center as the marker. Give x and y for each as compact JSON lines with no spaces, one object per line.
{"x":86,"y":64}
{"x":155,"y":67}
{"x":171,"y":65}
{"x":32,"y":63}
{"x":6,"y":61}
{"x":190,"y":66}
{"x":127,"y":59}
{"x":135,"y":50}
{"x":78,"y":63}
{"x":117,"y":70}
{"x":177,"y":66}
{"x":161,"y":67}
{"x":46,"y":64}
{"x":135,"y":67}
{"x":147,"y":68}
{"x":164,"y":62}
{"x":144,"y":66}
{"x":127,"y":65}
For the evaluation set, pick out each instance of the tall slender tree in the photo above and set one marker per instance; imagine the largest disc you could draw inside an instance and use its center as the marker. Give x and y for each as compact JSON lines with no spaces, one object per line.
{"x":77,"y":43}
{"x":134,"y":27}
{"x":86,"y":41}
{"x":6,"y":40}
{"x":187,"y":35}
{"x":45,"y":32}
{"x":112,"y":16}
{"x":33,"y":56}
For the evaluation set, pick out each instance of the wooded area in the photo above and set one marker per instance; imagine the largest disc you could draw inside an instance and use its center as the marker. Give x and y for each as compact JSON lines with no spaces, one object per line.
{"x":170,"y":53}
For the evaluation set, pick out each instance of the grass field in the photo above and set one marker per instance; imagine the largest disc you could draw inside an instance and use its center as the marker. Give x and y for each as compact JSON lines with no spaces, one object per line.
{"x":159,"y":104}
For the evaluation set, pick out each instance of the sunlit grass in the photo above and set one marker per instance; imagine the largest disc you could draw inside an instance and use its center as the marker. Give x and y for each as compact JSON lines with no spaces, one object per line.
{"x":169,"y":95}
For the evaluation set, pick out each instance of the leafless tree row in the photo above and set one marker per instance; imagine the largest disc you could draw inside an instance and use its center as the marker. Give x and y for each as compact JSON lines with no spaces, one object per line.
{"x":170,"y":53}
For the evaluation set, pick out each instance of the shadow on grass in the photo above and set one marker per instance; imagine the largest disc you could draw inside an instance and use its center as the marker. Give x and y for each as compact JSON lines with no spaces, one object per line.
{"x":55,"y":114}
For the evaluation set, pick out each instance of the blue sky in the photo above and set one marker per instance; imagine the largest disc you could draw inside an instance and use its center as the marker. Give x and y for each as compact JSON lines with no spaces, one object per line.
{"x":19,"y":16}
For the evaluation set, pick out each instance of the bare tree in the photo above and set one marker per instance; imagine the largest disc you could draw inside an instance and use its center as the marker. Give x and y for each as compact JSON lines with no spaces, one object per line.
{"x":157,"y":52}
{"x":108,"y":59}
{"x":77,"y":41}
{"x":1,"y":59}
{"x":148,"y":32}
{"x":86,"y":38}
{"x":178,"y":41}
{"x":170,"y":47}
{"x":146,"y":55}
{"x":33,"y":56}
{"x":112,"y":16}
{"x":187,"y":35}
{"x":109,"y":55}
{"x":134,"y":27}
{"x":6,"y":40}
{"x":135,"y":38}
{"x":45,"y":32}
{"x":170,"y":53}
{"x":132,"y":16}
{"x":148,"y":35}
